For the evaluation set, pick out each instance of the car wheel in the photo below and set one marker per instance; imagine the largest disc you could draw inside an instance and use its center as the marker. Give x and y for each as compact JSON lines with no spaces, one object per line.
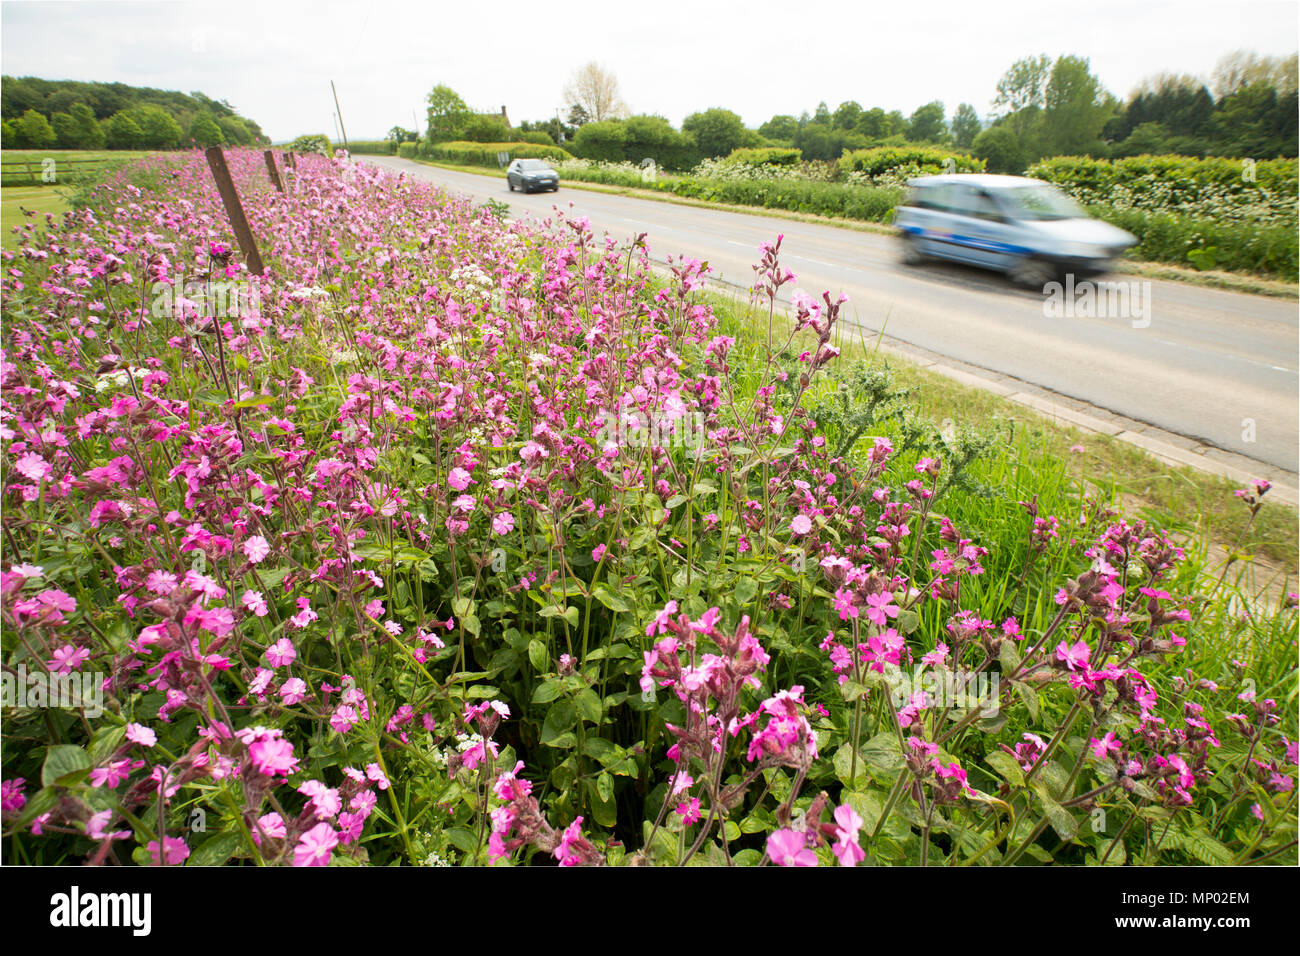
{"x":510,"y":184}
{"x":912,"y":254}
{"x":1031,"y":272}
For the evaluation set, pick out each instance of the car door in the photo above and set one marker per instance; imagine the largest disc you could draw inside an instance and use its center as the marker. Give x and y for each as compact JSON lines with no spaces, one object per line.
{"x":974,"y":230}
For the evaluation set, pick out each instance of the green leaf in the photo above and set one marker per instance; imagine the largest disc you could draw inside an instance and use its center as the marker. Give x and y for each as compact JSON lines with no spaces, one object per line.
{"x":1199,"y":844}
{"x":1062,"y":821}
{"x":105,"y":742}
{"x":602,"y":749}
{"x":62,"y":761}
{"x":559,"y":719}
{"x":605,"y":787}
{"x":216,"y":850}
{"x":746,"y":590}
{"x":606,"y":596}
{"x":1009,"y":657}
{"x":1006,"y":766}
{"x":882,"y":752}
{"x":588,"y":705}
{"x":1028,"y":696}
{"x":464,"y":840}
{"x":255,"y":401}
{"x":546,"y":691}
{"x":843,"y":767}
{"x":852,"y":690}
{"x":538,"y":656}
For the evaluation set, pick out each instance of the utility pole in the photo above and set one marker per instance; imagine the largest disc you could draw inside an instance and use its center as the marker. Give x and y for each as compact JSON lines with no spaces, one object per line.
{"x":342,"y":128}
{"x":337,"y":137}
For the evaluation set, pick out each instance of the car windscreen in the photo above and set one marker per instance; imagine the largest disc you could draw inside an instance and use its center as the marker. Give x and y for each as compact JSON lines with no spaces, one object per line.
{"x":1040,"y":202}
{"x":532,"y":164}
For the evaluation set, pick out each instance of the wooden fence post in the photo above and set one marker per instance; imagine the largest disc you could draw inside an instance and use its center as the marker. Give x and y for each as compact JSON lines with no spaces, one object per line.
{"x":226,"y":186}
{"x":271,"y":168}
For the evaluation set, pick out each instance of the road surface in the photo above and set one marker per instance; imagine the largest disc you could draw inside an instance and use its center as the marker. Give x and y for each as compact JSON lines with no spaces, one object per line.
{"x":1216,"y":367}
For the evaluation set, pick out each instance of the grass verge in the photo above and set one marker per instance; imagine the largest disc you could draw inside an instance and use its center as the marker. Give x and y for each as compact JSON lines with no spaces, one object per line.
{"x":1198,"y":507}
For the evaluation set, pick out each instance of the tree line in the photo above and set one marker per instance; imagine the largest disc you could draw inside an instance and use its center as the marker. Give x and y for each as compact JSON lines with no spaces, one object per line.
{"x":1043,"y":107}
{"x":69,"y":114}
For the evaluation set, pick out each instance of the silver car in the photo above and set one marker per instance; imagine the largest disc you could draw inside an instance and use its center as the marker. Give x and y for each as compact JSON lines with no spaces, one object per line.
{"x":1026,"y":228}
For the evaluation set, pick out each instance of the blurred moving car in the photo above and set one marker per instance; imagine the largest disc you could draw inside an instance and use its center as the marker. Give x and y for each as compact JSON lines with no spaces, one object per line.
{"x":530,"y":174}
{"x":1024,"y":227}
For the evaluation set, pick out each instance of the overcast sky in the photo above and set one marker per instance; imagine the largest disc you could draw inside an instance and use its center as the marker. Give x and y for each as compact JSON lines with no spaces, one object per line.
{"x":273,"y":60}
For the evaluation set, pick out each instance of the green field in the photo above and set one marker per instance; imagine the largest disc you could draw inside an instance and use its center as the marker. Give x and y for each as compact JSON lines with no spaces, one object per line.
{"x":38,"y":199}
{"x":25,"y":167}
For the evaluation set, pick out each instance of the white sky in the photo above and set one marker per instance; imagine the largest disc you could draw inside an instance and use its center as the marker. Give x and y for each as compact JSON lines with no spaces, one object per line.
{"x":273,"y":59}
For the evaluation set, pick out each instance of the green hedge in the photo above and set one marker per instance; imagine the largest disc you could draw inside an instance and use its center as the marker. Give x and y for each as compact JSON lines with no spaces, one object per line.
{"x":1184,"y":173}
{"x":931,"y":159}
{"x":371,"y":147}
{"x":868,"y":203}
{"x":1235,"y":247}
{"x":765,"y":156}
{"x":485,"y":154}
{"x":409,"y":150}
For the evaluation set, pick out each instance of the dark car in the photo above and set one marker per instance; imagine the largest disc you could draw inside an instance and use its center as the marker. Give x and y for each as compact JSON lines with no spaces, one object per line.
{"x":530,"y":174}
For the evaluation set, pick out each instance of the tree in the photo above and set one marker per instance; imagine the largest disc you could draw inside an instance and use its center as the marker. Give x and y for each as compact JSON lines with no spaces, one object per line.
{"x":927,"y":125}
{"x":1244,"y":67}
{"x":847,"y":115}
{"x":311,"y":143}
{"x":125,"y":133}
{"x":898,"y":123}
{"x":605,"y":140}
{"x":783,"y":129}
{"x":717,"y":131}
{"x":88,"y":134}
{"x":1147,"y":138}
{"x":34,"y":131}
{"x":653,"y":137}
{"x":398,"y":135}
{"x":204,"y":130}
{"x":478,"y":128}
{"x":447,"y":114}
{"x":1001,"y":150}
{"x":160,"y":131}
{"x":965,"y":125}
{"x":595,"y":89}
{"x":578,"y":116}
{"x":1024,"y":85}
{"x":1076,"y":109}
{"x":234,"y":131}
{"x":874,"y":124}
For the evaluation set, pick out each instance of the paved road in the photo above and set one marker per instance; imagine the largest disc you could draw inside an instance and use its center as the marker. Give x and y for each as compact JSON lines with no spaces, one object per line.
{"x":1206,"y":363}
